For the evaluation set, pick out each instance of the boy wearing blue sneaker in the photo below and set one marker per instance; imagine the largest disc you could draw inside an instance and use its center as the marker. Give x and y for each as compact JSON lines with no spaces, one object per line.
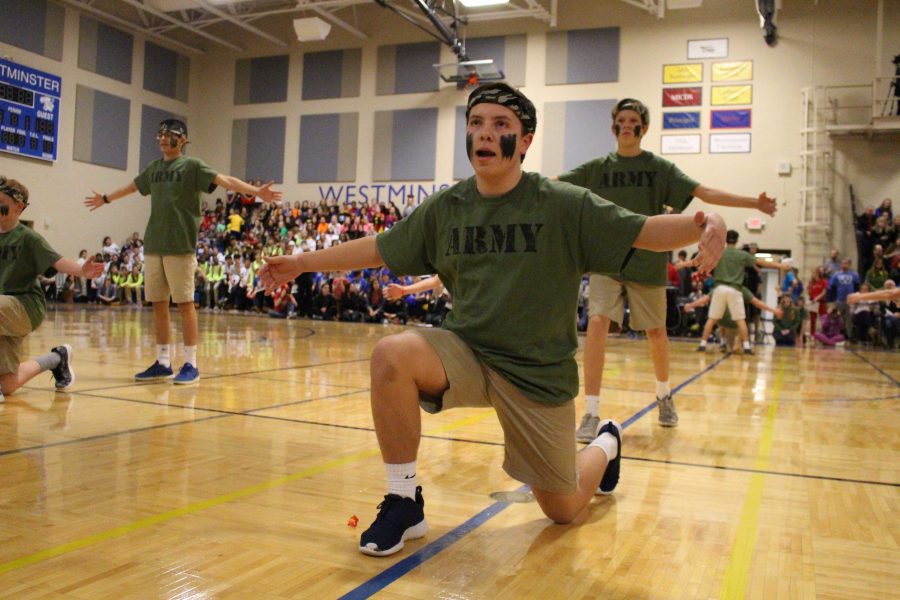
{"x":511,"y":248}
{"x":24,"y":255}
{"x":174,"y":184}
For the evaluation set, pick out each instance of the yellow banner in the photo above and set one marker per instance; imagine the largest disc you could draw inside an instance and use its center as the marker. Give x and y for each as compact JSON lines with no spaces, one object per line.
{"x":732,"y":94}
{"x":689,"y":73}
{"x":733,"y":71}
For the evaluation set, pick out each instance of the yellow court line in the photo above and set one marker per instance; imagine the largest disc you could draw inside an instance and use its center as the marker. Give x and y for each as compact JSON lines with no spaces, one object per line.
{"x":738,"y":573}
{"x":157,"y":519}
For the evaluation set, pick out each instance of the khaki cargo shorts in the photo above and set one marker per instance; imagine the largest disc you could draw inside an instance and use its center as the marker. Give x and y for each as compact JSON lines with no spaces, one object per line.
{"x":14,"y":326}
{"x":646,"y":302}
{"x":538,"y":440}
{"x":171,"y":275}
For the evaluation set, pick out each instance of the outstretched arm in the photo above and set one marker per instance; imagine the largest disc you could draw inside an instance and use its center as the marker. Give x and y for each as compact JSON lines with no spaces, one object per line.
{"x":662,"y":233}
{"x":879,"y":296}
{"x":395,"y":290}
{"x":97,"y":199}
{"x":89,"y":269}
{"x":763,"y":306}
{"x":763,"y":203}
{"x":361,"y":253}
{"x":239,"y":185}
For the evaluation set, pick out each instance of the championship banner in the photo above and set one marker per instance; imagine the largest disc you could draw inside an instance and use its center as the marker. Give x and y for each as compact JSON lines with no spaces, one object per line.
{"x":681,"y":120}
{"x":733,"y":71}
{"x":688,"y":73}
{"x":731,"y":94}
{"x":687,"y":96}
{"x":730,"y":119}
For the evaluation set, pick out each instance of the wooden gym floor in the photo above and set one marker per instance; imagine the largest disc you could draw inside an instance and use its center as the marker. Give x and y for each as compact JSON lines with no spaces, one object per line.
{"x":782,"y":479}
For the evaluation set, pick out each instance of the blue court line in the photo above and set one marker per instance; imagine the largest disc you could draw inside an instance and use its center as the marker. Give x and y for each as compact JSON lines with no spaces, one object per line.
{"x":876,"y":367}
{"x":392,"y":574}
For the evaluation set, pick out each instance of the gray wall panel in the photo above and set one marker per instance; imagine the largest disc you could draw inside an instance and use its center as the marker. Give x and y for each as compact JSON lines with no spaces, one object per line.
{"x":53,"y":34}
{"x":557,"y":58}
{"x":381,"y":152}
{"x":160,"y":69}
{"x":319,"y":148}
{"x":28,"y":28}
{"x":387,"y":70}
{"x":182,"y":78}
{"x":593,"y":55}
{"x":109,"y":138}
{"x":553,"y":132}
{"x":414,"y":144}
{"x":265,"y":149}
{"x":114,"y":53}
{"x":239,"y":148}
{"x":87,"y":44}
{"x":84,"y":123}
{"x":415,"y":68}
{"x":322,"y":75}
{"x":587,"y":131}
{"x":351,"y":73}
{"x":268,"y":79}
{"x":348,"y":135}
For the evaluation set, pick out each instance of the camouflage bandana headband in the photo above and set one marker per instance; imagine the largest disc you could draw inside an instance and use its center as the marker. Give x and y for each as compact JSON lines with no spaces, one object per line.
{"x":12,"y":192}
{"x":502,"y":94}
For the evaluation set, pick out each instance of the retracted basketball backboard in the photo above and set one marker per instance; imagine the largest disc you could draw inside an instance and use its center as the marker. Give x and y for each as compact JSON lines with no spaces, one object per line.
{"x":470,"y":71}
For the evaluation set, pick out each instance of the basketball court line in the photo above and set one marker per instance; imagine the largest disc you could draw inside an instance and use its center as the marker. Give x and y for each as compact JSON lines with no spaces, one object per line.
{"x":874,"y":366}
{"x":737,"y":574}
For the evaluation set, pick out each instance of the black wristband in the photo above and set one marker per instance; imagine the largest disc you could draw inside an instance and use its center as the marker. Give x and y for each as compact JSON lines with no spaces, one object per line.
{"x":105,"y":199}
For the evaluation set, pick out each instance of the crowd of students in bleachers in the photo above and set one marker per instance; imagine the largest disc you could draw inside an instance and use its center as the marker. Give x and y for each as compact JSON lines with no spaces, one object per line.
{"x":235,"y":237}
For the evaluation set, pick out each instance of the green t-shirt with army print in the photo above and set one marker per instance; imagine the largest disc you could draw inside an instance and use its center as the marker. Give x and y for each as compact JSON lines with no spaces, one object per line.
{"x":24,"y":255}
{"x":174,"y":187}
{"x":644,"y":184}
{"x":513,"y":264}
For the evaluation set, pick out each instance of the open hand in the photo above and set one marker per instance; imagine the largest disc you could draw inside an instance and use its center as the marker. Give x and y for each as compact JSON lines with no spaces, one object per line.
{"x":91,"y":269}
{"x":394,"y":292}
{"x":712,"y":241}
{"x":268,"y":194}
{"x":94,"y":202}
{"x":276,"y":271}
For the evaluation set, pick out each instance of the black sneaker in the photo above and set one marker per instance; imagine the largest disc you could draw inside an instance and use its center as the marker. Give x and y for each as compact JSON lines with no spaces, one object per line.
{"x":611,"y":475}
{"x":63,"y":374}
{"x":748,"y":351}
{"x":701,"y":348}
{"x":399,"y":518}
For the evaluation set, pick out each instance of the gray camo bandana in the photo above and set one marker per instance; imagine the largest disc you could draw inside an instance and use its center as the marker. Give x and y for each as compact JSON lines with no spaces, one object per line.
{"x":504,"y":95}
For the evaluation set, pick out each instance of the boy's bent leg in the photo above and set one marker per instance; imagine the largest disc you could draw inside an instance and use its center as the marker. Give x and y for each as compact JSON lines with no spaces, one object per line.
{"x":402,"y":366}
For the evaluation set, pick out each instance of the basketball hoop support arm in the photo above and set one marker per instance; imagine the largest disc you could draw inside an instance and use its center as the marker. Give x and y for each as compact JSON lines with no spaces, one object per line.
{"x":447,"y":35}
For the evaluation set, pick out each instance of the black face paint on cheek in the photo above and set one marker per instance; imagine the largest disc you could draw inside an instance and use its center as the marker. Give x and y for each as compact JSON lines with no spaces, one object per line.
{"x":469,"y":146}
{"x":508,"y":145}
{"x":618,"y":129}
{"x":4,"y":210}
{"x":637,"y":131}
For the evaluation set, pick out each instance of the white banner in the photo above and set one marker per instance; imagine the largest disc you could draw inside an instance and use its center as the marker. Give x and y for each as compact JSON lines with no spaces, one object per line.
{"x":680,"y":144}
{"x":729,"y":143}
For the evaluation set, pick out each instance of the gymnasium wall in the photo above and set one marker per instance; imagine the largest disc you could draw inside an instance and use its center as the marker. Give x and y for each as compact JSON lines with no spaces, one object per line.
{"x":388,"y":105}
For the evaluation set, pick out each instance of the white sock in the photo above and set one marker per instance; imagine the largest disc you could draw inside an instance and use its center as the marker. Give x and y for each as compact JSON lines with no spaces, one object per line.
{"x":402,"y":479}
{"x":703,"y":343}
{"x":608,"y":443}
{"x":592,"y":405}
{"x":190,"y":355}
{"x":662,"y":389}
{"x":747,"y":345}
{"x":162,"y":355}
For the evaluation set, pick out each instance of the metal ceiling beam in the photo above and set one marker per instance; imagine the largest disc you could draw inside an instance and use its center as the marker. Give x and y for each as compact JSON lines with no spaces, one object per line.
{"x":182,"y":24}
{"x":104,"y":16}
{"x":232,"y":19}
{"x":343,"y":25}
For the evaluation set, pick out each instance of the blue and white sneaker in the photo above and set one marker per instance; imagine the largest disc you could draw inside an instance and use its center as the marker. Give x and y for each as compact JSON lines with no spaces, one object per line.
{"x":187,"y":375}
{"x":63,"y":374}
{"x":154,"y":373}
{"x":611,"y":475}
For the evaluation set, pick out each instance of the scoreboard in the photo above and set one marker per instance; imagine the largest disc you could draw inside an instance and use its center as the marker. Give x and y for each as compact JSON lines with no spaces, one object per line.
{"x":29,"y":111}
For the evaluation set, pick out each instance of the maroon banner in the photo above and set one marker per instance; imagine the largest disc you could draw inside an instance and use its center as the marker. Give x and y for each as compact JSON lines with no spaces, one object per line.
{"x":683,"y":96}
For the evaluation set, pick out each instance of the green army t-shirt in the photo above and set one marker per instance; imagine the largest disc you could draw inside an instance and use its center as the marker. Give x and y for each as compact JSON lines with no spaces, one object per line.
{"x":513,"y":264}
{"x":174,"y":189}
{"x":730,"y":270}
{"x":24,"y":255}
{"x":643,"y":184}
